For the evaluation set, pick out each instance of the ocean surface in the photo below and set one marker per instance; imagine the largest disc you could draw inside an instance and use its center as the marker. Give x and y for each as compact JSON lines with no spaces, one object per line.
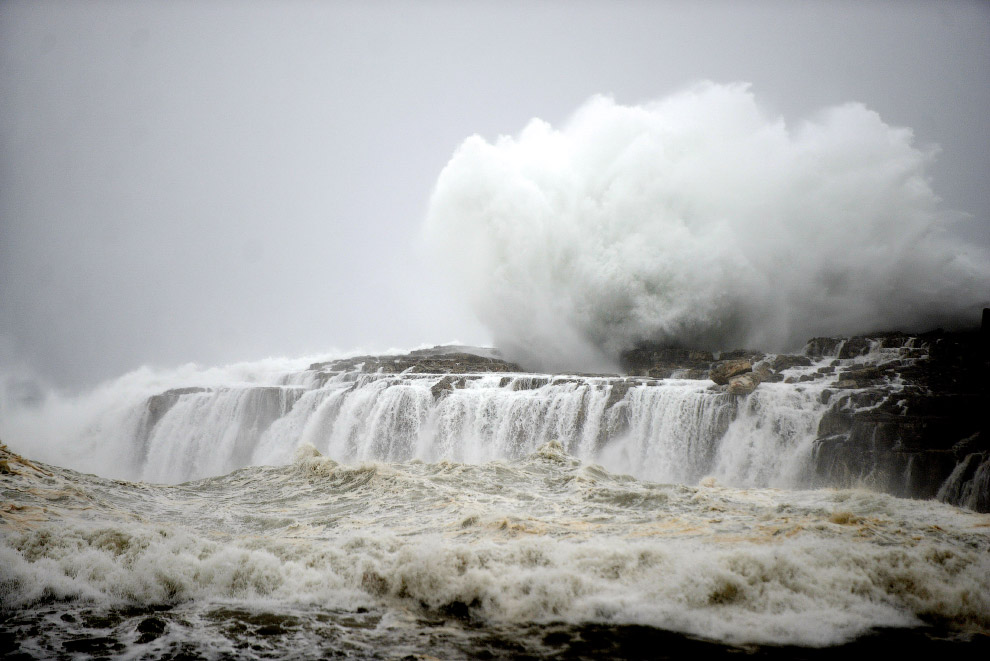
{"x":294,"y":512}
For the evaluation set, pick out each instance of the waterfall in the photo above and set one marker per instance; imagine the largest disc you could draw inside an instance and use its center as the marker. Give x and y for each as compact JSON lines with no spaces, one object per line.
{"x":869,"y":412}
{"x":969,"y":483}
{"x":208,"y":432}
{"x":675,"y":430}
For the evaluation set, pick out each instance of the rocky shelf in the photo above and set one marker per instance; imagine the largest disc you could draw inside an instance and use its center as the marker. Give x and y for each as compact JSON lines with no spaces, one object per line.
{"x":907,"y":414}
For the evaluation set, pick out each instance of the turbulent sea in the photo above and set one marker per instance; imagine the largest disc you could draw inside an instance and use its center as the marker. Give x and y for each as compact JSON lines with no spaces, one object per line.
{"x":317,"y":514}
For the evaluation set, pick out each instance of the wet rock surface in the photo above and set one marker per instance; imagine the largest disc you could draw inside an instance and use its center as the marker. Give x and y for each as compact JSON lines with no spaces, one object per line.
{"x":908,"y":414}
{"x":743,"y":384}
{"x":906,"y":424}
{"x":425,"y":361}
{"x":661,"y":362}
{"x":723,"y":371}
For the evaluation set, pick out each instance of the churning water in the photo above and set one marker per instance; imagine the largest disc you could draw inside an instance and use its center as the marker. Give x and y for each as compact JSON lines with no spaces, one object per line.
{"x":320,"y":512}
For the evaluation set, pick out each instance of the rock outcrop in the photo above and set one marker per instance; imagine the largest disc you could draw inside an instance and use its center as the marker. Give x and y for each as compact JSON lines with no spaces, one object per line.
{"x":438,"y":360}
{"x":743,"y":384}
{"x":723,"y":371}
{"x":906,"y":414}
{"x":661,"y":362}
{"x":904,"y":425}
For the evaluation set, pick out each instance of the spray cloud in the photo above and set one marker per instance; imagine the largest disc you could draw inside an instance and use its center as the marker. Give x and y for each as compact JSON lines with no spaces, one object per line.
{"x":698,"y":220}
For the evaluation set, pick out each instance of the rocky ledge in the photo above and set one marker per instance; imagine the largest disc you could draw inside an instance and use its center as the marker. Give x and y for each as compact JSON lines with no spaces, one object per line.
{"x":907,"y":414}
{"x":438,"y":360}
{"x":915,"y":424}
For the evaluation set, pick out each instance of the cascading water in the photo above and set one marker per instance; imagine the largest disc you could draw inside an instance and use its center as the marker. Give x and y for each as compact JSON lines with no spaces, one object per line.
{"x":211,"y":432}
{"x":669,"y":431}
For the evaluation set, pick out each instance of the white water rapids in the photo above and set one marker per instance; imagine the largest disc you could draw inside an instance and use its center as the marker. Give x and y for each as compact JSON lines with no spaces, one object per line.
{"x":317,"y":511}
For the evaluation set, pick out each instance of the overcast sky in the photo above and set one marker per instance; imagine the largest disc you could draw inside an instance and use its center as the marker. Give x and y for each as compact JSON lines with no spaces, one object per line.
{"x":215,"y":182}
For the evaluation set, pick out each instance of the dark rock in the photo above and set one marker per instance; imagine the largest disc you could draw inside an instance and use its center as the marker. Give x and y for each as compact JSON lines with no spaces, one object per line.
{"x":530,"y":382}
{"x":837,"y":420}
{"x":855,"y":346}
{"x":863,"y":377}
{"x":423,"y":361}
{"x":923,"y":439}
{"x":723,"y":371}
{"x":617,"y":393}
{"x":442,"y":388}
{"x":786,"y":361}
{"x":150,"y":628}
{"x":151,"y":625}
{"x":95,"y":646}
{"x":458,"y":609}
{"x":820,"y":347}
{"x":643,"y":360}
{"x":895,"y":340}
{"x":751,"y":356}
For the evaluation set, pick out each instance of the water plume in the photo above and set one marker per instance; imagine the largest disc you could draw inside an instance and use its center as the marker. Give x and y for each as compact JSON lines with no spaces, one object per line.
{"x":699,"y":220}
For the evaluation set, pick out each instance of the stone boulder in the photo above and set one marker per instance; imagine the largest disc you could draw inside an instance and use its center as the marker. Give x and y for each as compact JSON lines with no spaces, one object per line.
{"x":786,"y":361}
{"x":442,"y":388}
{"x":724,"y":370}
{"x":743,"y":384}
{"x":855,"y":347}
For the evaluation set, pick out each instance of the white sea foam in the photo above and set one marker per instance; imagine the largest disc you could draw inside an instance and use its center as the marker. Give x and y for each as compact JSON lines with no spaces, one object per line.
{"x":545,"y":539}
{"x":700,"y":219}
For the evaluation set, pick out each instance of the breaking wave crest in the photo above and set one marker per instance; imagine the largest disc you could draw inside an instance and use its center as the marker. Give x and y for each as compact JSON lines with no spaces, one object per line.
{"x":700,"y":219}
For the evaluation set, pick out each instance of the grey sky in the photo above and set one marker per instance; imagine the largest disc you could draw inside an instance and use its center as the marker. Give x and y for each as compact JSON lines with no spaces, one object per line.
{"x":227,"y":181}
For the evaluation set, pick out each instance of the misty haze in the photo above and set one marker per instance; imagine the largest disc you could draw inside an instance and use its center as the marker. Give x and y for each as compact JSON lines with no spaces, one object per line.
{"x":494,"y":330}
